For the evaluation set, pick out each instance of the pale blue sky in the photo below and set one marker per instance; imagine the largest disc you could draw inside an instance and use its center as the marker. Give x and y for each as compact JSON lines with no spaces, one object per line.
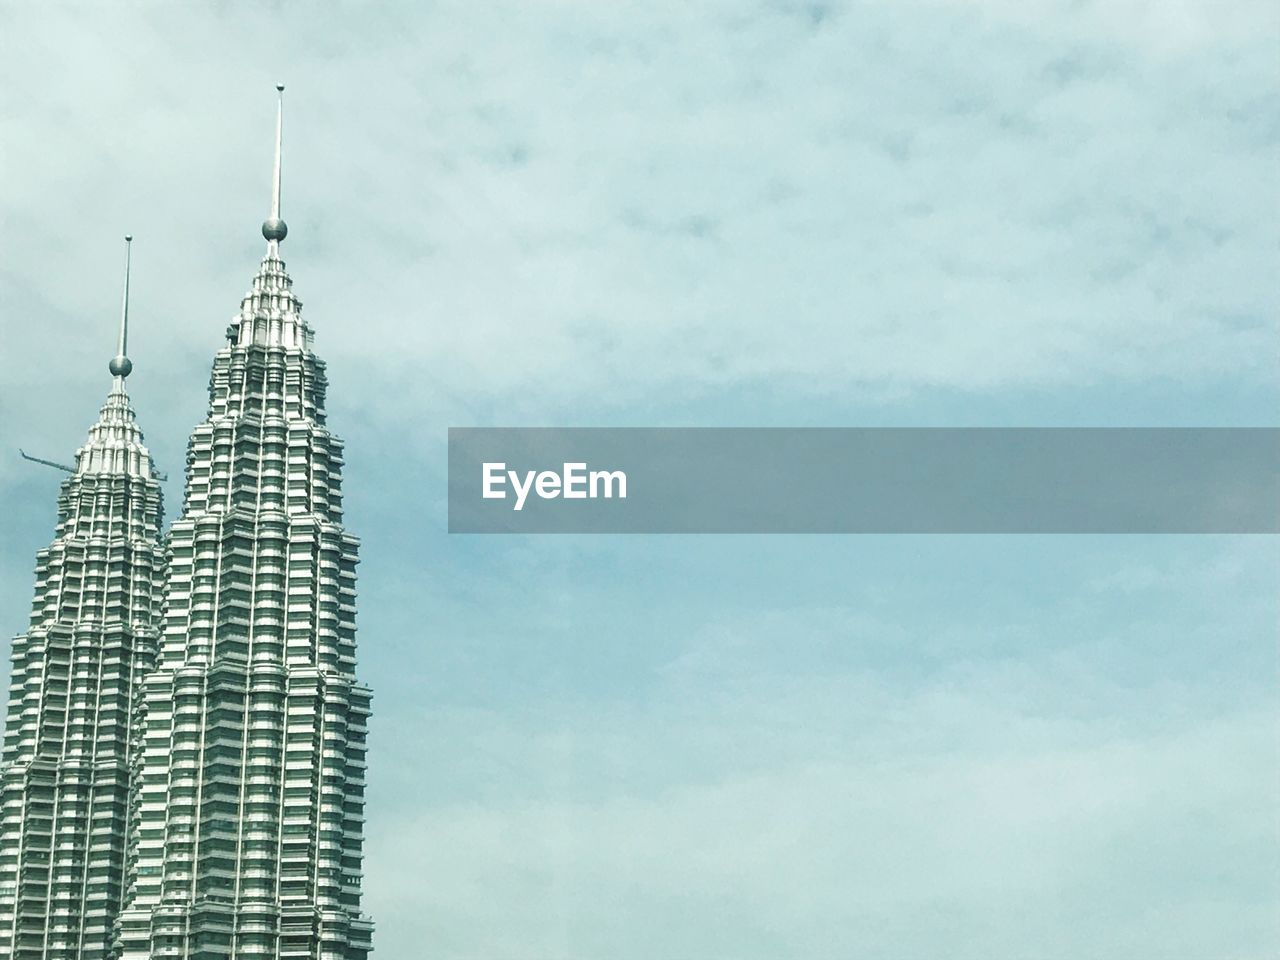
{"x":716,"y":213}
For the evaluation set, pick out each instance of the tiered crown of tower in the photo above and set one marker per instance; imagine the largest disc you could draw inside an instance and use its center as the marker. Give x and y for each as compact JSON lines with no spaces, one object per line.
{"x":271,"y":313}
{"x":115,"y":442}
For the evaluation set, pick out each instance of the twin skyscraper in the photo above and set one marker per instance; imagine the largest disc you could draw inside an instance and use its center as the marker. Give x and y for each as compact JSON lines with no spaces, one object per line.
{"x":184,"y":756}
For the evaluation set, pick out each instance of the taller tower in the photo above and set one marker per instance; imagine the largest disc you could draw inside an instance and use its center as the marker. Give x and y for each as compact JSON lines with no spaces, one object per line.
{"x":93,"y":635}
{"x":248,"y":823}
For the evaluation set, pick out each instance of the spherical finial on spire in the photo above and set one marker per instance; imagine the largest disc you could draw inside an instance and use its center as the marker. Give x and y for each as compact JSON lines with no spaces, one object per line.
{"x":280,"y":87}
{"x":273,"y":228}
{"x":120,"y":366}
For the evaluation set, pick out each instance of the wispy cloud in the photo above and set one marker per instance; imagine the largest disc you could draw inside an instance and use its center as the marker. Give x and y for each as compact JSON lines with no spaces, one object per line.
{"x":1049,"y":852}
{"x":1083,"y":769}
{"x":572,"y":200}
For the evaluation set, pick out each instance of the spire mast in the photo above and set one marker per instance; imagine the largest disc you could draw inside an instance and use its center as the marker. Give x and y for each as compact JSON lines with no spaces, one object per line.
{"x":273,"y":228}
{"x":121,"y":366}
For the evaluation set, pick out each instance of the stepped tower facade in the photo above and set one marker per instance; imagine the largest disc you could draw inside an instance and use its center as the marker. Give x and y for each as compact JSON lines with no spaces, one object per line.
{"x":248,"y":812}
{"x":70,"y":729}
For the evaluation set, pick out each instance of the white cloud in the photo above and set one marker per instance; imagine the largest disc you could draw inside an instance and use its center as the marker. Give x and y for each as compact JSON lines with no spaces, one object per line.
{"x":526,"y":207}
{"x":1041,"y":850}
{"x":916,"y":766}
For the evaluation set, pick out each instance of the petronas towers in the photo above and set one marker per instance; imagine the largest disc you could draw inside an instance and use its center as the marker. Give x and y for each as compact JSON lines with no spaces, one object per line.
{"x":184,"y":757}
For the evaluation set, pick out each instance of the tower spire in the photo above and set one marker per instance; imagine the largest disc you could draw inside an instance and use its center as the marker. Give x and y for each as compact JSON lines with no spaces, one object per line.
{"x":121,"y":366}
{"x":273,"y":228}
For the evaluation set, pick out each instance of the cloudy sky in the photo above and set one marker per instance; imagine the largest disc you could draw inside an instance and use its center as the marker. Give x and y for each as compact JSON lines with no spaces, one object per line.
{"x":755,"y":213}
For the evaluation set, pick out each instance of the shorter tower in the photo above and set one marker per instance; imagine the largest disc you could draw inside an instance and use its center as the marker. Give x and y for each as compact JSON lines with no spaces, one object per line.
{"x":65,"y":779}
